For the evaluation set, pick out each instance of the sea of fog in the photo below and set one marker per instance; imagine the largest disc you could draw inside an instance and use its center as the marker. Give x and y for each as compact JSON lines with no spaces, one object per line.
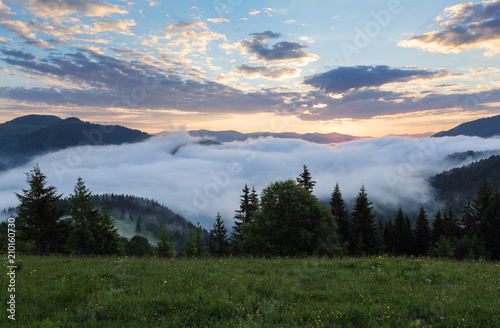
{"x":197,"y":181}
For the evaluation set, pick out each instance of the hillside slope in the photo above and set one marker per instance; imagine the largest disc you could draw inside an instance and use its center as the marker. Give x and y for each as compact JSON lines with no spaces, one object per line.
{"x":484,"y":127}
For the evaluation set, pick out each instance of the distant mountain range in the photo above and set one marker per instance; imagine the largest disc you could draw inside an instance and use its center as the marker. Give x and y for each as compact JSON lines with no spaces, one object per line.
{"x":484,"y":127}
{"x":228,"y":136}
{"x":25,"y":137}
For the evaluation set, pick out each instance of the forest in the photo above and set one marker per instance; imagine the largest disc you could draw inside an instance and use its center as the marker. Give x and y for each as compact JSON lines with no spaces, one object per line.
{"x":285,"y":220}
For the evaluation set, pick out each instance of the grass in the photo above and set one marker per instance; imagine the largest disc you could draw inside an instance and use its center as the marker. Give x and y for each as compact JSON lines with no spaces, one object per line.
{"x":364,"y":292}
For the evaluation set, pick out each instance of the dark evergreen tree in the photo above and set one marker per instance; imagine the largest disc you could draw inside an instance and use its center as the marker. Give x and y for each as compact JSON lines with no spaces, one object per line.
{"x":451,"y":227}
{"x":83,"y":215}
{"x":138,"y":224}
{"x":422,"y":233}
{"x":195,"y":246}
{"x":93,"y":231}
{"x":218,"y":241}
{"x":249,"y":203}
{"x":338,"y":209}
{"x":164,"y":247}
{"x":403,"y":234}
{"x":389,"y":239}
{"x":482,"y":202}
{"x":305,"y":179}
{"x":469,"y":221}
{"x":38,"y":215}
{"x":490,"y":226}
{"x":363,"y":226}
{"x":437,"y":228}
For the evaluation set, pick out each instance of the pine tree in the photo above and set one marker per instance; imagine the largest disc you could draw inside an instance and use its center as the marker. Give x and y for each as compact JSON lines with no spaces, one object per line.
{"x":389,"y":239}
{"x":195,"y":246}
{"x":363,"y":226}
{"x":469,"y":221}
{"x":218,"y":240}
{"x":83,"y":216}
{"x":38,"y":215}
{"x":437,"y":228}
{"x":138,"y":224}
{"x":93,"y":231}
{"x":165,"y":247}
{"x":249,"y":203}
{"x":422,"y":233}
{"x":338,"y":209}
{"x":490,"y":226}
{"x":403,"y":234}
{"x":305,"y":179}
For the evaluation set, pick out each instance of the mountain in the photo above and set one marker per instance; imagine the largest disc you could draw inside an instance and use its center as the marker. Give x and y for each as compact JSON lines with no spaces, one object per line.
{"x":126,"y":210}
{"x":25,"y":137}
{"x":459,"y":185}
{"x":484,"y":127}
{"x":228,"y":136}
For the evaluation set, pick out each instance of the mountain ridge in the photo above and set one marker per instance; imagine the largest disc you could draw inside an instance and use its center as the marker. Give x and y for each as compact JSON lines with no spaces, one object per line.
{"x":484,"y":127}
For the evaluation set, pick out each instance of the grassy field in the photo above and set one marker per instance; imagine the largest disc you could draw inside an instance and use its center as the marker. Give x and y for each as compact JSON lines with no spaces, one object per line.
{"x":365,"y":292}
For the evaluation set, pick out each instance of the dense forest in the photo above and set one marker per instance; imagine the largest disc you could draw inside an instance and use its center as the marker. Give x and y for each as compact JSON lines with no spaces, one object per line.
{"x":285,"y":219}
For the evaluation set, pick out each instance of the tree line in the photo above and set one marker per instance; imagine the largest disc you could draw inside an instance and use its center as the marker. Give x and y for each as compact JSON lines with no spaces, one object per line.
{"x":286,"y":219}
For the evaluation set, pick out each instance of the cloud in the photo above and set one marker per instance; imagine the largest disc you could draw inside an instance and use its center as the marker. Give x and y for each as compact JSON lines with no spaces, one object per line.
{"x":20,"y":29}
{"x":254,"y":12}
{"x":465,"y":26}
{"x":199,"y":181}
{"x":5,"y":12}
{"x":269,"y":72}
{"x":39,"y":43}
{"x":57,"y":8}
{"x":18,"y":54}
{"x":177,"y":28}
{"x":342,"y":79}
{"x":219,"y":20}
{"x":112,"y":82}
{"x":107,"y":25}
{"x":281,"y":51}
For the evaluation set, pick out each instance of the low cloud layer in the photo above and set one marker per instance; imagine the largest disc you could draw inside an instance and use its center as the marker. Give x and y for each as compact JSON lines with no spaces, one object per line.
{"x":199,"y":181}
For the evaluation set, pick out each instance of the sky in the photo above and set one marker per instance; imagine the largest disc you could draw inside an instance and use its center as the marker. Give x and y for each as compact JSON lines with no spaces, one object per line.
{"x":365,"y":68}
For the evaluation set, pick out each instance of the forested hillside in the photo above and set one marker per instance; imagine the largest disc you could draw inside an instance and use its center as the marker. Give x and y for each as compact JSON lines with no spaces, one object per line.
{"x":459,"y":185}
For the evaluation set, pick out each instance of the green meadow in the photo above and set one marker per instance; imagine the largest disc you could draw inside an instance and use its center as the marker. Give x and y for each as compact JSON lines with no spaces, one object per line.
{"x":310,"y":292}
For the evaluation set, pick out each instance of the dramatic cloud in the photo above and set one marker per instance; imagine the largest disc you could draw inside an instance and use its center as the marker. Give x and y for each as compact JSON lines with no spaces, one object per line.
{"x":111,"y":82}
{"x":466,"y":25}
{"x":199,"y":181}
{"x":20,"y":29}
{"x":107,"y":25}
{"x":281,"y":51}
{"x":342,"y":79}
{"x":57,"y":8}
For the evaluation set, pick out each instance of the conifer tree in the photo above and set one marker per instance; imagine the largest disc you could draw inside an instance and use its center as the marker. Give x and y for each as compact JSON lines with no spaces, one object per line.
{"x":93,"y":231}
{"x":38,"y":215}
{"x":422,"y":233}
{"x":305,"y":179}
{"x":490,"y":226}
{"x":165,"y":247}
{"x":249,"y":203}
{"x":437,"y":228}
{"x":218,"y":242}
{"x":338,"y":209}
{"x":363,"y":226}
{"x":403,"y":234}
{"x":195,"y":246}
{"x":138,"y":224}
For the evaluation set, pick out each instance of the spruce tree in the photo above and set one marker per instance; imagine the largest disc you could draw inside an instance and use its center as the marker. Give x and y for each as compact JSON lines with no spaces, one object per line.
{"x":403,"y":234}
{"x":338,"y":209}
{"x":249,"y":203}
{"x":490,"y":226}
{"x":194,"y":245}
{"x":363,"y":226}
{"x":138,"y":224}
{"x":165,"y":247}
{"x":93,"y":230}
{"x":437,"y":228}
{"x":38,"y":215}
{"x":83,"y":216}
{"x":422,"y":233}
{"x":218,"y":242}
{"x":305,"y":179}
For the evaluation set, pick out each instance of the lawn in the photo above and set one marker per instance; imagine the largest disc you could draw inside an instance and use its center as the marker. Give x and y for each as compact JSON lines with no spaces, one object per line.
{"x":361,"y":292}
